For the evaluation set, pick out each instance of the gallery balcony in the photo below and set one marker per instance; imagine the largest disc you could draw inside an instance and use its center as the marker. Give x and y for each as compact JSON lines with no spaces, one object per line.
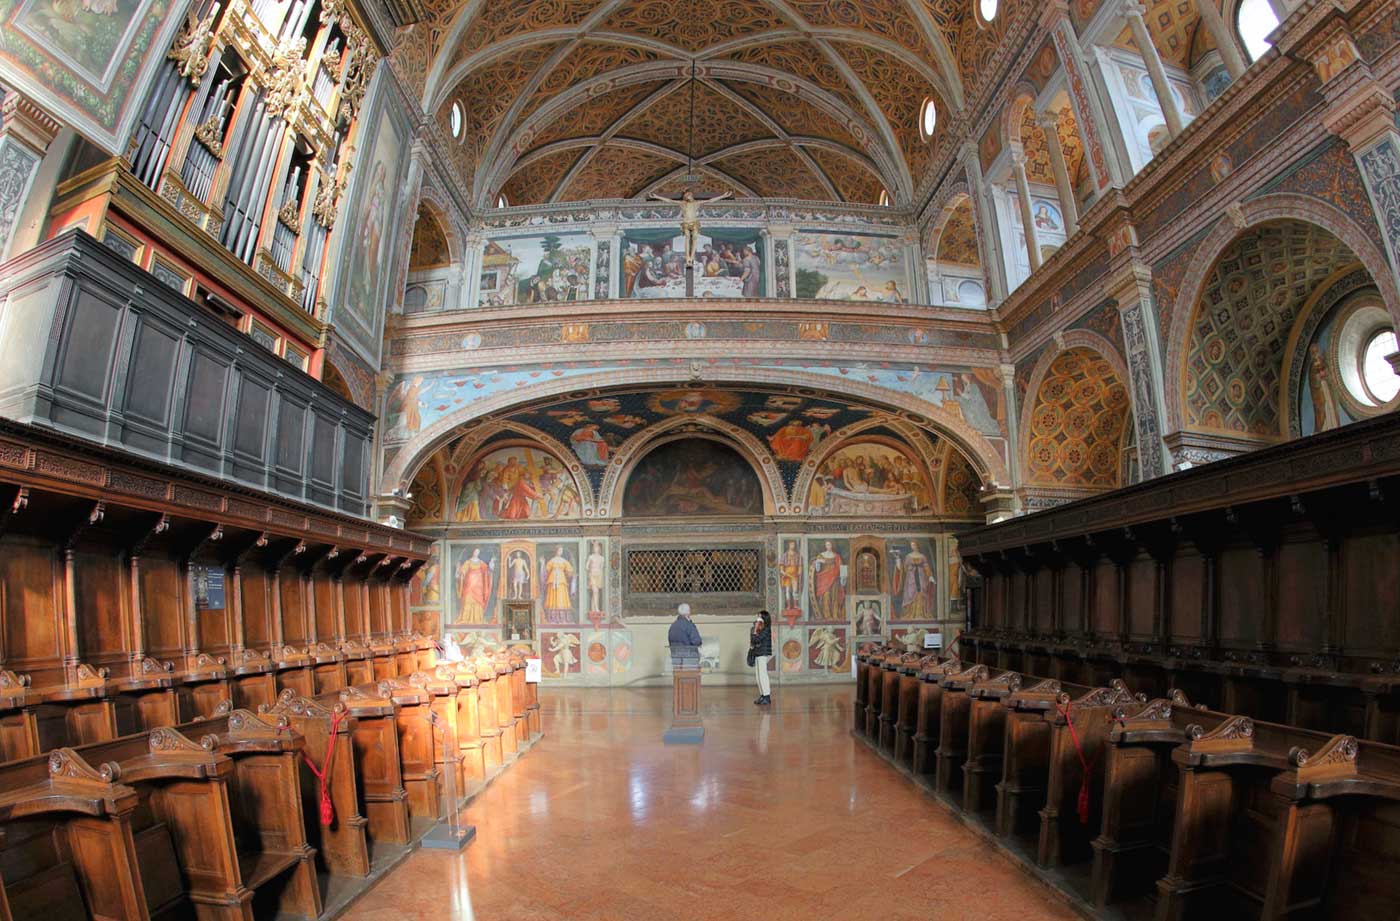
{"x":99,"y":348}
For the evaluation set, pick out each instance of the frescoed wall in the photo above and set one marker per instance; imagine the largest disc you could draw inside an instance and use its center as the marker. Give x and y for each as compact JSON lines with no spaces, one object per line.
{"x":728,"y":263}
{"x":369,"y":260}
{"x":851,"y":267}
{"x":692,"y":477}
{"x":679,"y":487}
{"x":536,"y":269}
{"x":81,"y":59}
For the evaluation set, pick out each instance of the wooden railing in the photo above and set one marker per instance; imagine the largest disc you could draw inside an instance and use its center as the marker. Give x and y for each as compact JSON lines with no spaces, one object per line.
{"x":1153,"y":807}
{"x":1264,"y":585}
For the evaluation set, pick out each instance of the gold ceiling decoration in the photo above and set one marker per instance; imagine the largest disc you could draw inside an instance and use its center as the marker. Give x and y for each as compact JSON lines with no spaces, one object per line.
{"x":718,"y":123}
{"x":854,"y":180}
{"x":617,"y":172}
{"x":801,"y":73}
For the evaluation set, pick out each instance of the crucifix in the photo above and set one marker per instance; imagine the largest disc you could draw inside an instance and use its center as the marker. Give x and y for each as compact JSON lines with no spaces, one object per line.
{"x":690,"y":219}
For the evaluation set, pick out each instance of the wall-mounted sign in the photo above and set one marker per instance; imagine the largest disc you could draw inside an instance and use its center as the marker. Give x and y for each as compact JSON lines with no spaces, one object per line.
{"x":532,"y":671}
{"x":208,"y":587}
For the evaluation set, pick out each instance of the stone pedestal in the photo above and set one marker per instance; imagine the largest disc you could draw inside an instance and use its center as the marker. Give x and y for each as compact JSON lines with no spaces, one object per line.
{"x":686,"y":728}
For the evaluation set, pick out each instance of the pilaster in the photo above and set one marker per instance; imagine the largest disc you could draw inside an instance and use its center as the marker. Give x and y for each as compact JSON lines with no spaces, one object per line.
{"x":1130,"y":287}
{"x":26,"y":131}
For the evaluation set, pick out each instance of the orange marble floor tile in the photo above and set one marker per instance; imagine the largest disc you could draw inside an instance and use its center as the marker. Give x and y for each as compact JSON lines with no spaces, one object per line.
{"x":779,"y":815}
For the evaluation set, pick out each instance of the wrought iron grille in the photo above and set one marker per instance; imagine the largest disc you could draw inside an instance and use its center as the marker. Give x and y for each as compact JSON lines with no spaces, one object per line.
{"x":657,"y":572}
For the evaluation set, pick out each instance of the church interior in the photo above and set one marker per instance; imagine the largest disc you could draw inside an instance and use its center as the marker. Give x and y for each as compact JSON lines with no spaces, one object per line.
{"x":379,"y":378}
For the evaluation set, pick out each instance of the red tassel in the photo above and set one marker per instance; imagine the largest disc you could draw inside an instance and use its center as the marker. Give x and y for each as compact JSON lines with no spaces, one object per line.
{"x":328,"y":811}
{"x":1082,"y":806}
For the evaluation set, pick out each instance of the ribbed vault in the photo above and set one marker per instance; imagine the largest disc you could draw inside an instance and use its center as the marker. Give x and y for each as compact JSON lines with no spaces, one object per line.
{"x":803,"y":99}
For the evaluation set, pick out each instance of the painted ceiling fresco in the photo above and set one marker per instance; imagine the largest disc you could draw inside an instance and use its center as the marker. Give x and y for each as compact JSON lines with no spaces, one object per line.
{"x":843,"y":457}
{"x":1081,"y":410}
{"x":1241,"y":328}
{"x":852,"y":74}
{"x":957,"y":244}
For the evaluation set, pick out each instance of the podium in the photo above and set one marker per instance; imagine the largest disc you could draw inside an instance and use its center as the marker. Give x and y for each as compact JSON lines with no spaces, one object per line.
{"x":686,"y":728}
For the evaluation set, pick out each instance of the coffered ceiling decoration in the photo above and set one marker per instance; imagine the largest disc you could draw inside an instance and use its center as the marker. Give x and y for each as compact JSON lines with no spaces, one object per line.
{"x":828,"y":92}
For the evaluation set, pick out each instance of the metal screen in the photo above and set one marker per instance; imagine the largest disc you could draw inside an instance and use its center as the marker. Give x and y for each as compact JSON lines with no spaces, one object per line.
{"x":693,"y":571}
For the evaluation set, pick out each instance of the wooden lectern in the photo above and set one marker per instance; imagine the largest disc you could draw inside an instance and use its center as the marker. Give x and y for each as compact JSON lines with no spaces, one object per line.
{"x":686,"y":728}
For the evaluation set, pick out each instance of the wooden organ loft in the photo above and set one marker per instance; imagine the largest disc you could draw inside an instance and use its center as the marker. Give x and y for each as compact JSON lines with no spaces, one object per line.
{"x":234,"y":175}
{"x":1181,"y":699}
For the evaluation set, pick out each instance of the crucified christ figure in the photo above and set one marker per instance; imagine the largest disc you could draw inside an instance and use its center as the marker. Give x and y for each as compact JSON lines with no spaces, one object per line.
{"x":690,"y":219}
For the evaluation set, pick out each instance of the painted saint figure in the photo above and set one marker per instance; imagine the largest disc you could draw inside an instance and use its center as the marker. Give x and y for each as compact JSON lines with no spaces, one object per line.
{"x":596,"y":567}
{"x":913,"y":585}
{"x":519,"y":576}
{"x":690,"y":219}
{"x":790,"y":578}
{"x":474,"y":579}
{"x":828,"y":585}
{"x":558,"y":580}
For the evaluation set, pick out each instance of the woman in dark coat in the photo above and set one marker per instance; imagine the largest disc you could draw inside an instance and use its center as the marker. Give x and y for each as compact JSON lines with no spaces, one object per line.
{"x":760,"y":651}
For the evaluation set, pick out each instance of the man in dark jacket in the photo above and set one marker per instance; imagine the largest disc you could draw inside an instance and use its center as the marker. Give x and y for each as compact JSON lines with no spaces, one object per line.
{"x":683,"y":633}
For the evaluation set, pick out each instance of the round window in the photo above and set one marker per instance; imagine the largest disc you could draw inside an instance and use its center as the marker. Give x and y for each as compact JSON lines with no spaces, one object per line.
{"x":1255,"y":20}
{"x":928,"y":118}
{"x":454,"y":119}
{"x":987,"y":9}
{"x":1360,"y":354}
{"x":1377,"y":375}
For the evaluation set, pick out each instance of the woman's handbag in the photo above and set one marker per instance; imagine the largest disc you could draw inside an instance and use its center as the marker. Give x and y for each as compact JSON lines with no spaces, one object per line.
{"x":751,"y":657}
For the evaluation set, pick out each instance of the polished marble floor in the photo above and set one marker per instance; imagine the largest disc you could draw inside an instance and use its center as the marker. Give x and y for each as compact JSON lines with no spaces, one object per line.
{"x":779,"y":815}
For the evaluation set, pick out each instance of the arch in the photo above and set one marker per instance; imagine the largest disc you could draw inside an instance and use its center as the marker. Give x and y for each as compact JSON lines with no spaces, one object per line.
{"x":336,"y":381}
{"x":913,"y":441}
{"x":478,"y":449}
{"x":610,"y":492}
{"x":410,"y":455}
{"x":430,"y":197}
{"x":953,"y":205}
{"x":1021,"y":97}
{"x":1092,"y":346}
{"x":1239,"y":220}
{"x":702,"y":428}
{"x":1340,"y":288}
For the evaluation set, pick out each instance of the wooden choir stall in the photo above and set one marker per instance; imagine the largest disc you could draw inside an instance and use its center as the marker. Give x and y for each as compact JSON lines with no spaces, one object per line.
{"x":212,"y":700}
{"x":1178,"y":700}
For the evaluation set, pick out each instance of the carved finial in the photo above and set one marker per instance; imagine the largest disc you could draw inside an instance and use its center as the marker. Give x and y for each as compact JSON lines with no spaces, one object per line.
{"x":244,"y":724}
{"x":289,"y":703}
{"x":167,"y":739}
{"x":66,"y":763}
{"x":1336,"y":758}
{"x":224,"y":707}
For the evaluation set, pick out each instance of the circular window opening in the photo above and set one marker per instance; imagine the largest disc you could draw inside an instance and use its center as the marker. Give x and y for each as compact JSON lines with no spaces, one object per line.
{"x":928,"y":118}
{"x":987,"y":10}
{"x":454,"y":119}
{"x":1254,"y":21}
{"x":1377,"y":374}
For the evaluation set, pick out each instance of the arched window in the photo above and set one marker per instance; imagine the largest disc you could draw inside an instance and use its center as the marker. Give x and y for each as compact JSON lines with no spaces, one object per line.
{"x":454,"y":119}
{"x":928,"y":118}
{"x":1377,"y":374}
{"x":501,"y":201}
{"x":1255,"y":19}
{"x":986,"y":11}
{"x":884,"y":199}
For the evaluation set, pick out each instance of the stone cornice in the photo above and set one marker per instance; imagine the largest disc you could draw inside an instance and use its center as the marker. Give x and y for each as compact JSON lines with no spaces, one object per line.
{"x":913,"y":315}
{"x":601,"y":354}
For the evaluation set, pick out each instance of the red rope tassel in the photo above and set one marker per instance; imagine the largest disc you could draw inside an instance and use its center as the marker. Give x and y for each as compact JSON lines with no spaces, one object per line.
{"x":323,"y":775}
{"x":1082,"y":801}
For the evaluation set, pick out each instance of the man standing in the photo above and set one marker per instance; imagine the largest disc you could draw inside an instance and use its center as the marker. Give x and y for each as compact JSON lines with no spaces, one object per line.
{"x":684,"y":633}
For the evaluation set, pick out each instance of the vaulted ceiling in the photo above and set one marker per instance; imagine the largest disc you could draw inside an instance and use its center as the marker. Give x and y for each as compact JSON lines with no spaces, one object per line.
{"x":571,"y":100}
